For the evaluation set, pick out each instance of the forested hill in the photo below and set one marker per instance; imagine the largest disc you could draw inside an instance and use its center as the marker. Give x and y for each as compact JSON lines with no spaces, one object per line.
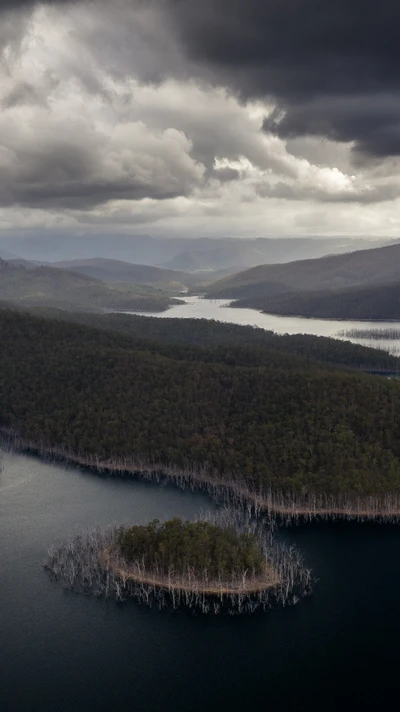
{"x":301,"y":428}
{"x":68,"y":290}
{"x":368,"y":303}
{"x":204,"y":339}
{"x":364,"y":267}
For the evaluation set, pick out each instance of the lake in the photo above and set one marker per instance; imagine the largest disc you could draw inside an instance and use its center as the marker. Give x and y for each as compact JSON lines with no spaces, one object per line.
{"x":62,"y":652}
{"x":218,"y":309}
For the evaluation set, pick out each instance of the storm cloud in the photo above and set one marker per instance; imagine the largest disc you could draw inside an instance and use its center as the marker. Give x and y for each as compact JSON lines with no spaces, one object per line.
{"x":276,"y":115}
{"x":332,"y":67}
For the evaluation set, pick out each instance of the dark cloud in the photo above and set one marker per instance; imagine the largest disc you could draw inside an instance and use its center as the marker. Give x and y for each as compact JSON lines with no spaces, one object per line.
{"x":6,"y":5}
{"x":331,"y":66}
{"x":81,"y":169}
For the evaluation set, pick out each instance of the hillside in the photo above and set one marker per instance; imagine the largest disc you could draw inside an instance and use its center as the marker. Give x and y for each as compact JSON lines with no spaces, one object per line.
{"x":366,"y":303}
{"x":114,"y":271}
{"x":67,"y":290}
{"x":365,"y":267}
{"x":300,"y":429}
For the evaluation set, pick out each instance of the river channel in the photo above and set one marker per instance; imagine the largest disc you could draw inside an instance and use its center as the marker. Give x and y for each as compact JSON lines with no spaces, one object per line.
{"x":219,"y":309}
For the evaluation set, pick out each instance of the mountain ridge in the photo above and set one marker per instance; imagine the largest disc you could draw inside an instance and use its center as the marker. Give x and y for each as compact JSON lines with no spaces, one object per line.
{"x":364,"y":267}
{"x":49,"y":286}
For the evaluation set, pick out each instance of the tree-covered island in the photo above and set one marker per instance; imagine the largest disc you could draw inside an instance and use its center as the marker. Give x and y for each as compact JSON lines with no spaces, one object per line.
{"x":203,"y":565}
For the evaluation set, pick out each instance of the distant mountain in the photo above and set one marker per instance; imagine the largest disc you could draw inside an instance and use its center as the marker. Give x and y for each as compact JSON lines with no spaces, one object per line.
{"x":365,"y":303}
{"x":114,"y":271}
{"x":48,"y":286}
{"x":365,"y":267}
{"x":205,"y":253}
{"x":237,"y":255}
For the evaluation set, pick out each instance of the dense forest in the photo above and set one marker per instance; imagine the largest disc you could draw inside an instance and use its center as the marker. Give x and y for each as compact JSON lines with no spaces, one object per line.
{"x":201,"y":546}
{"x":232,"y":344}
{"x":366,"y":303}
{"x":289,"y":425}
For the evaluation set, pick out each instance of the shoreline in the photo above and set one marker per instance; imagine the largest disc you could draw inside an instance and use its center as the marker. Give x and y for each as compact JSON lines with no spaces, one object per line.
{"x":234,"y":305}
{"x":92,"y":563}
{"x":289,"y":507}
{"x":178,"y":584}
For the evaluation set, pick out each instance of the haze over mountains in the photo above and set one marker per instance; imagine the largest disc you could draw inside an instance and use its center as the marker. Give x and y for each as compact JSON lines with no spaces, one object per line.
{"x":48,"y":286}
{"x":114,"y":271}
{"x":327,"y":286}
{"x":377,"y":266}
{"x":198,"y":254}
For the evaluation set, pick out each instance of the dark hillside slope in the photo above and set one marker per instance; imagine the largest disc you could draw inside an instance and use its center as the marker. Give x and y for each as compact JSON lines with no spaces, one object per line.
{"x":289,"y":430}
{"x":365,"y":267}
{"x":68,"y":290}
{"x":367,"y":303}
{"x":229,"y":343}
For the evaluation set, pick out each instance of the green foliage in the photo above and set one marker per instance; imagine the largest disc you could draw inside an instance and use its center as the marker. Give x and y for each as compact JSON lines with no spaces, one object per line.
{"x":202,"y":546}
{"x":229,"y":344}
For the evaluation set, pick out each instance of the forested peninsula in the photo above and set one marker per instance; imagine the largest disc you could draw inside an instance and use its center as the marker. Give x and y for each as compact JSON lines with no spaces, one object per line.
{"x":372,"y":303}
{"x":266,"y":422}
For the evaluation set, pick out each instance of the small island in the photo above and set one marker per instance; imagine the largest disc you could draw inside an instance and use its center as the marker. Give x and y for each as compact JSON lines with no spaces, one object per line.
{"x":202,"y":565}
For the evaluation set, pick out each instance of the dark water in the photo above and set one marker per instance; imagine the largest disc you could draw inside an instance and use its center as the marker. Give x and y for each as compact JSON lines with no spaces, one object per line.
{"x":61,"y":652}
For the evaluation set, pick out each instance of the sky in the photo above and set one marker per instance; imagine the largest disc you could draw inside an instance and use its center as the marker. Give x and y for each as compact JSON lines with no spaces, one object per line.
{"x":245,"y":118}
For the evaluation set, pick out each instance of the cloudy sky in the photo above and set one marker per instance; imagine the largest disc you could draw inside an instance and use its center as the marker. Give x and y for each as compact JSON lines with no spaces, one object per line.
{"x":212,"y":117}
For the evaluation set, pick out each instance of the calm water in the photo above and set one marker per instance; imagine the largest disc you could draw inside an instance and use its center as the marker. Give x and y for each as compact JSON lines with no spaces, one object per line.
{"x":198,"y":308}
{"x":61,"y":652}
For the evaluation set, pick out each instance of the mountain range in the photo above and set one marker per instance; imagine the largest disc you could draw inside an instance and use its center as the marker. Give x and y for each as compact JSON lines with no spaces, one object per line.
{"x":188,"y":254}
